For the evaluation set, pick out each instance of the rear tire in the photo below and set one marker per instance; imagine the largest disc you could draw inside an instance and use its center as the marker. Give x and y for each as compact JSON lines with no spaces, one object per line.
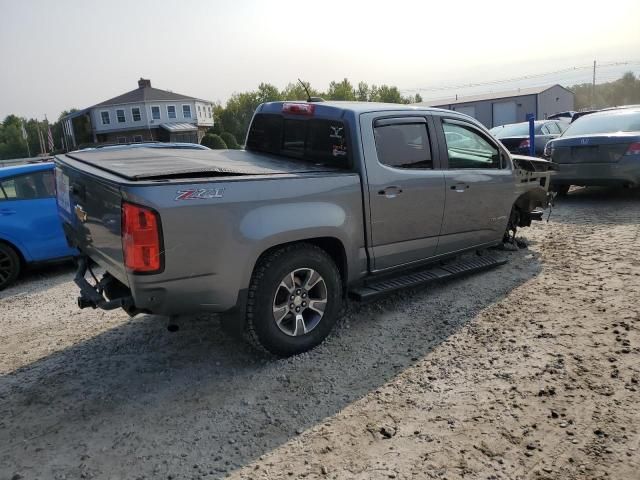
{"x":293,"y":301}
{"x":9,"y":265}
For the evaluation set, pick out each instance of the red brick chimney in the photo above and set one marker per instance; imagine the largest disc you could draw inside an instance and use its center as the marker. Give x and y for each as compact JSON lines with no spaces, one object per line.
{"x":144,"y":83}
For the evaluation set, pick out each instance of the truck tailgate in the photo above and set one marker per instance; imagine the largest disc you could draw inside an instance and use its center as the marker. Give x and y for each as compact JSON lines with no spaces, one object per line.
{"x":90,"y":210}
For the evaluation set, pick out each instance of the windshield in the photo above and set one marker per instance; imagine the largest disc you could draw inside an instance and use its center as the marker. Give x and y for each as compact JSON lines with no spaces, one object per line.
{"x":513,"y":130}
{"x":628,"y":121}
{"x":315,"y":140}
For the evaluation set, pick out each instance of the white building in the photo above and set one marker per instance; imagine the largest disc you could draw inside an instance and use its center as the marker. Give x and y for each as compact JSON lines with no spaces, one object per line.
{"x":145,"y":114}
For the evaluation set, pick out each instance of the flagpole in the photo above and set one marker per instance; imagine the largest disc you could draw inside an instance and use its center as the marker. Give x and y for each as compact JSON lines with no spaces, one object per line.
{"x":26,"y":139}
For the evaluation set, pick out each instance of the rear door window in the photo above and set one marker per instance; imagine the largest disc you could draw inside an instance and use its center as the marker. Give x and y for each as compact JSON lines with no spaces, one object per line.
{"x":404,"y":145}
{"x":28,"y":187}
{"x":316,"y":140}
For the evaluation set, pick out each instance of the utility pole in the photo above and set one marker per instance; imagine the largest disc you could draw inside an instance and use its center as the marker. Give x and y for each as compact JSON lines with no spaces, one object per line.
{"x":593,"y":87}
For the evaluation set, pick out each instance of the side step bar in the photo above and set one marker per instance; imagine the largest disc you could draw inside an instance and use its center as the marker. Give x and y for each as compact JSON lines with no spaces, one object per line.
{"x":431,"y":274}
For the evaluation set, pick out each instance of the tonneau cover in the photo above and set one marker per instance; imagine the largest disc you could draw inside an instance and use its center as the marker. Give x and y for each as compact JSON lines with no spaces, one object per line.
{"x":155,"y":163}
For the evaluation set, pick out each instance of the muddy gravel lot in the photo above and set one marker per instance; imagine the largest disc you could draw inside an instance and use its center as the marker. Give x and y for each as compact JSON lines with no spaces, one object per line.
{"x":528,"y":371}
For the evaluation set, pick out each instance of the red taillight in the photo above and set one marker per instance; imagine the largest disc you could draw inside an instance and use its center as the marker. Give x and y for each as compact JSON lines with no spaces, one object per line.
{"x":298,"y":108}
{"x":524,"y":144}
{"x":141,"y":239}
{"x":634,"y":149}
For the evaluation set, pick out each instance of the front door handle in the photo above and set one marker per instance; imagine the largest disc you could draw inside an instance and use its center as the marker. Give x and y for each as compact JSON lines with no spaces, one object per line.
{"x":390,"y":192}
{"x":460,"y":187}
{"x":6,"y":211}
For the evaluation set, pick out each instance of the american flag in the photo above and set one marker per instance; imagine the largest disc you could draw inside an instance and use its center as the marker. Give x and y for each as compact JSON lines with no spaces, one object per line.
{"x":50,"y":138}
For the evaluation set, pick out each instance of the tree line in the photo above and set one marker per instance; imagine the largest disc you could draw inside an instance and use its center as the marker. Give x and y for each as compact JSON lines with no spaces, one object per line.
{"x":231,"y":120}
{"x":623,"y":91}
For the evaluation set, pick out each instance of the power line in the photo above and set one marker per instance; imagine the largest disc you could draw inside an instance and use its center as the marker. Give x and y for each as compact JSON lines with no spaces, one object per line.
{"x":516,"y":79}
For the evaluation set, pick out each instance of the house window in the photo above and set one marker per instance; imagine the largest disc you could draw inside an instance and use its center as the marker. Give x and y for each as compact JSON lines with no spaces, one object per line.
{"x":209,"y":112}
{"x":122,"y":139}
{"x":120,"y":116}
{"x":155,"y":112}
{"x":186,"y":111}
{"x":137,"y":138}
{"x":135,"y":114}
{"x":104,"y":115}
{"x":171,"y":111}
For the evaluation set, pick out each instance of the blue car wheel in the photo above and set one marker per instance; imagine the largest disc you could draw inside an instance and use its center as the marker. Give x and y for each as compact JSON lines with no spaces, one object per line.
{"x":9,"y":265}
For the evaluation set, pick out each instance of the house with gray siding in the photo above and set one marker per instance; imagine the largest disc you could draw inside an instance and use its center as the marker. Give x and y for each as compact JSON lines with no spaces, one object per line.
{"x":145,"y":114}
{"x":493,"y":109}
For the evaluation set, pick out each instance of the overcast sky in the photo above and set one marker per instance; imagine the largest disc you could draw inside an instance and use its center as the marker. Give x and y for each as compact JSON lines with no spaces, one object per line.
{"x":74,"y":53}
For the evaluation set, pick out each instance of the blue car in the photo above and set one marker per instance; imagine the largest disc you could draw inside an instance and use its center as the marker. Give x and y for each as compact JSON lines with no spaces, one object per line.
{"x":30,"y":230}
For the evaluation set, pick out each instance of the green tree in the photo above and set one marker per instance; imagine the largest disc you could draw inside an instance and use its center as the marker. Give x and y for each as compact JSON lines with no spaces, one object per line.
{"x":389,"y":94}
{"x":218,"y":124}
{"x":341,"y":91}
{"x":623,"y":91}
{"x":229,"y":140}
{"x":12,"y":145}
{"x":268,"y":93}
{"x":295,"y":91}
{"x":214,"y":141}
{"x":363,"y":92}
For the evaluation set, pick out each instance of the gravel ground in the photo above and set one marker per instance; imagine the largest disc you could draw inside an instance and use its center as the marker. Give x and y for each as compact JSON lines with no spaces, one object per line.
{"x":528,"y":371}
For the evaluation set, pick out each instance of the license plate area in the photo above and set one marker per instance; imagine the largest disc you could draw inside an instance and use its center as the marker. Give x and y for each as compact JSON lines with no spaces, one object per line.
{"x":590,"y":154}
{"x":62,"y":191}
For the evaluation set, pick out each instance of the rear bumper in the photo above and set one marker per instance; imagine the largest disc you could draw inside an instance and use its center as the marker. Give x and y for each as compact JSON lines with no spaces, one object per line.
{"x":146,"y":294}
{"x":626,"y":171}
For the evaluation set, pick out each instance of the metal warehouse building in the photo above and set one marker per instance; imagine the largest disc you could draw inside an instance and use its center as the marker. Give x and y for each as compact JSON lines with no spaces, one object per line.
{"x":494,"y":109}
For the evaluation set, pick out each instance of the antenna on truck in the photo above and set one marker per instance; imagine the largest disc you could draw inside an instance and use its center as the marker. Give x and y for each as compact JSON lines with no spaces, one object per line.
{"x":309,"y":97}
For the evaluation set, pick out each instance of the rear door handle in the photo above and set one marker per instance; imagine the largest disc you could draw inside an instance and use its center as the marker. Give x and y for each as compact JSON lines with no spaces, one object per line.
{"x":390,"y":192}
{"x":460,"y":187}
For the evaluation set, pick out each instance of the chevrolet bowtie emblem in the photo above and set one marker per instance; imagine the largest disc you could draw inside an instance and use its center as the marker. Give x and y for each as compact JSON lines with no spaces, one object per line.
{"x":80,"y":213}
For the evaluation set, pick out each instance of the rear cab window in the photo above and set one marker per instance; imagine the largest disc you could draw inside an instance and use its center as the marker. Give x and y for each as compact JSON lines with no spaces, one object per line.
{"x":316,"y":140}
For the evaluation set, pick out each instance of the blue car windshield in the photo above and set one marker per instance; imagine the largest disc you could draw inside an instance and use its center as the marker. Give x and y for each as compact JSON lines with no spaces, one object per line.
{"x":624,"y":121}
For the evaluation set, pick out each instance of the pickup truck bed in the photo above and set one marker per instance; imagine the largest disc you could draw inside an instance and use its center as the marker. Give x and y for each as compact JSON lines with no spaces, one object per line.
{"x":154,"y":164}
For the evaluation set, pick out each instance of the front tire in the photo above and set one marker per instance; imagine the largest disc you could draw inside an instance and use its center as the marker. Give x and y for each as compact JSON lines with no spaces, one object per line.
{"x":9,"y":265}
{"x":293,"y":301}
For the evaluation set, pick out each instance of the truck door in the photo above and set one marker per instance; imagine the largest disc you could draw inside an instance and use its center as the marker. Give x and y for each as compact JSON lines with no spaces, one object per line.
{"x":405,"y":187}
{"x":480,"y":187}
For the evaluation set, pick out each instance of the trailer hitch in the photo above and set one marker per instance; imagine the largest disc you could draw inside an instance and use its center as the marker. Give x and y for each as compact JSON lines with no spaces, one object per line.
{"x":93,"y":295}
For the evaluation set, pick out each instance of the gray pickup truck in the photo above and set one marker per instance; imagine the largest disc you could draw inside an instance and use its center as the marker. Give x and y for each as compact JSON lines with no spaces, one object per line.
{"x":328,"y":199}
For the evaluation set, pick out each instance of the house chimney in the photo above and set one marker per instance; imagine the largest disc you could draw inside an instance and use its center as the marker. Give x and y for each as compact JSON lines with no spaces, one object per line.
{"x":144,"y":83}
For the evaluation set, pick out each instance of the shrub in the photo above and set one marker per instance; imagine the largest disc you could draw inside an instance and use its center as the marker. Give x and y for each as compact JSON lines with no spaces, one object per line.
{"x":214,"y":141}
{"x":230,"y":140}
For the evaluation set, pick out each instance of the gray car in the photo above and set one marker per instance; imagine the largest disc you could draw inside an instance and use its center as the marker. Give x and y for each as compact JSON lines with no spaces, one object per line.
{"x":329,"y":199}
{"x":599,"y":149}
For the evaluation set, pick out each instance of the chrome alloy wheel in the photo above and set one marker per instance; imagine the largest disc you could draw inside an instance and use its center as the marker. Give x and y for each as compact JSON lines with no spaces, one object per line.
{"x":300,"y":302}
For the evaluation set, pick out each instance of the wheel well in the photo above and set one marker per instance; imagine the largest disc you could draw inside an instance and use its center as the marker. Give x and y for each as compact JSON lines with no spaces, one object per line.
{"x":23,"y":262}
{"x":332,"y":247}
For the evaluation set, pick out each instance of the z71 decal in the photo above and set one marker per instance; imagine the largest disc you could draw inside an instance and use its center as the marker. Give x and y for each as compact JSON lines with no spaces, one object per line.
{"x":200,"y":193}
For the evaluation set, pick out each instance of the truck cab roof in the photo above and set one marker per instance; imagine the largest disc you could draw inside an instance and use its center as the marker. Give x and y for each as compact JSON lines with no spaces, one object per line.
{"x":338,"y":108}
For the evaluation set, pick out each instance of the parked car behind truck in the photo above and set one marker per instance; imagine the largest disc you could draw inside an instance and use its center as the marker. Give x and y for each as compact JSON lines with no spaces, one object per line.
{"x":327,"y":199}
{"x":30,"y":230}
{"x":599,"y":149}
{"x":515,"y":136}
